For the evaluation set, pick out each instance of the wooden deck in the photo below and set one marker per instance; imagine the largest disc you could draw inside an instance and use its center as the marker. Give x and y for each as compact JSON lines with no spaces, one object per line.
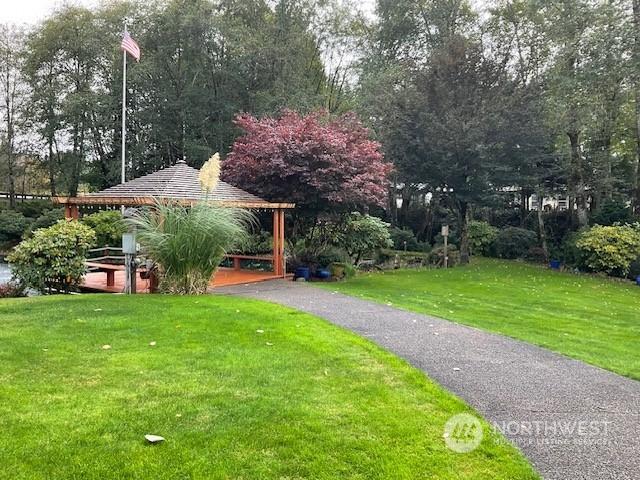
{"x":97,"y":281}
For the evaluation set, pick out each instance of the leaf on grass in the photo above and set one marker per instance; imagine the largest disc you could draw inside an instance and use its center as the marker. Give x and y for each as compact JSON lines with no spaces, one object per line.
{"x":154,"y":438}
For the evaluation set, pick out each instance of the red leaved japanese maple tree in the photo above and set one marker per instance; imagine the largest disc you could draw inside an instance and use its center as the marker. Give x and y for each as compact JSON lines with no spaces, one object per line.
{"x":321,"y":163}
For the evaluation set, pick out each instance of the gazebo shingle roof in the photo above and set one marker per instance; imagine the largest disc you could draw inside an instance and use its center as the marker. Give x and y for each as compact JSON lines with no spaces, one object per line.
{"x":179,"y":182}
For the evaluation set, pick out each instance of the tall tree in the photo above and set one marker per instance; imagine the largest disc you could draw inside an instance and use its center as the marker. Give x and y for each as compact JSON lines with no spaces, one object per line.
{"x":636,"y":96}
{"x":13,"y":94}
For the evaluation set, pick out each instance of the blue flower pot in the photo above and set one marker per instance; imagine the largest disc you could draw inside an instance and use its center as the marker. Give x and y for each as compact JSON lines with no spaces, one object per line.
{"x":323,"y":273}
{"x":638,"y":280}
{"x":302,"y":272}
{"x":555,"y":264}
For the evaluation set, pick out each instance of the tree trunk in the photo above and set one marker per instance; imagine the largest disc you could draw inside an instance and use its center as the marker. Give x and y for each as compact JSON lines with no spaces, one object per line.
{"x":52,"y":168}
{"x":607,"y":173}
{"x":407,"y":194}
{"x":541,"y":229}
{"x":9,"y":145}
{"x":525,"y":193}
{"x":577,"y":186}
{"x":464,"y":214}
{"x":393,"y":205}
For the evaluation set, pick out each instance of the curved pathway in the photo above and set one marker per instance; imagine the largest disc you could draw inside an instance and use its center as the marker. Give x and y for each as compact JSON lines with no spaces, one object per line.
{"x":573,"y":421}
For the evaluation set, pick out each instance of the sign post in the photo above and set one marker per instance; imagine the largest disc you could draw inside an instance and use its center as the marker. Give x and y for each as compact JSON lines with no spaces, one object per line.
{"x":445,"y":236}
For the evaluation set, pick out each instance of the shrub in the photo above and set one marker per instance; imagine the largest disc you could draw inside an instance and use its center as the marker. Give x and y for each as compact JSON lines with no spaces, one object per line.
{"x":363,"y":235}
{"x":329,"y":255}
{"x":256,"y":244}
{"x":12,"y":290}
{"x":611,"y":213}
{"x":404,"y":239}
{"x":514,"y":242}
{"x":341,"y":270}
{"x":188,"y":244}
{"x":34,"y":208}
{"x":610,"y":249}
{"x":53,"y":258}
{"x":108,"y":225}
{"x":557,"y":226}
{"x":12,"y":225}
{"x":569,"y":253}
{"x":301,"y":255}
{"x":481,"y":236}
{"x":47,"y":219}
{"x":536,"y":255}
{"x":634,"y":269}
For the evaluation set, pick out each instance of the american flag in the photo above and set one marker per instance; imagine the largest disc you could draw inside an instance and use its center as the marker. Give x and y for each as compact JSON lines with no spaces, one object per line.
{"x":130,"y":46}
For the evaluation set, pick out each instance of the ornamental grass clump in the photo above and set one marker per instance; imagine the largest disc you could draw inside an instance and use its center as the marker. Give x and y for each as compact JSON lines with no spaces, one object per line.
{"x":188,"y":243}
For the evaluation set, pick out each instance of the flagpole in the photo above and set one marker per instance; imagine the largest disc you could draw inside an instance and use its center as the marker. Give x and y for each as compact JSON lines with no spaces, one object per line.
{"x":124,"y":110}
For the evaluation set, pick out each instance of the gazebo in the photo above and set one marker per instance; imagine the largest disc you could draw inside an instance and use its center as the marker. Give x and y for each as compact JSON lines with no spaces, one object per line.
{"x":180,"y":183}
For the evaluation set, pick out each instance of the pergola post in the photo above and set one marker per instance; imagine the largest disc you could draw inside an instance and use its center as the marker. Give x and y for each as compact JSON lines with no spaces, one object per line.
{"x":71,"y":211}
{"x":278,"y":242}
{"x":283,"y":266}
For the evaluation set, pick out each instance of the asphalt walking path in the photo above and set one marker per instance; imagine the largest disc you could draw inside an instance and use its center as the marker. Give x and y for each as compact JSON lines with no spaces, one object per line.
{"x":573,"y":421}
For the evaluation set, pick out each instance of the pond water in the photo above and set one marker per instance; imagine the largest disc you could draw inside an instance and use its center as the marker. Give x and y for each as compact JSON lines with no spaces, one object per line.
{"x":5,"y":273}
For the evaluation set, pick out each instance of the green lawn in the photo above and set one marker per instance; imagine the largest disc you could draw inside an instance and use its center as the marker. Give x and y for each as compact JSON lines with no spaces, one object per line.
{"x":596,"y":320}
{"x":303,"y":399}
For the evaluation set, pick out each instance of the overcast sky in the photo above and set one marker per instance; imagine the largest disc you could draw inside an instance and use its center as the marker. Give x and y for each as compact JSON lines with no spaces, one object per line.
{"x":32,"y":11}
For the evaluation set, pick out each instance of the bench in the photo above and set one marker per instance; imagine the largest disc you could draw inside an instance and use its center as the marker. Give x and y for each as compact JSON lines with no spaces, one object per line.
{"x":110,"y":269}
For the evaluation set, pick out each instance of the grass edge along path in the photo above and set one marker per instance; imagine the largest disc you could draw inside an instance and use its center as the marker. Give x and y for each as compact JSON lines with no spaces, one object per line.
{"x":240,"y":389}
{"x":592,"y":319}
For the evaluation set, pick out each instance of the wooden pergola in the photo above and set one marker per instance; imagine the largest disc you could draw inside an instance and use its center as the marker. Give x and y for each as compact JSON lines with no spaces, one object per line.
{"x":180,"y":184}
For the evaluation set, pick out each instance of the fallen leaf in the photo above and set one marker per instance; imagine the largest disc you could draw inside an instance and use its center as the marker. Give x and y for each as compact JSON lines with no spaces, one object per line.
{"x":154,"y":438}
{"x":106,"y":347}
{"x":259,"y":331}
{"x":152,"y":344}
{"x":270,"y":344}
